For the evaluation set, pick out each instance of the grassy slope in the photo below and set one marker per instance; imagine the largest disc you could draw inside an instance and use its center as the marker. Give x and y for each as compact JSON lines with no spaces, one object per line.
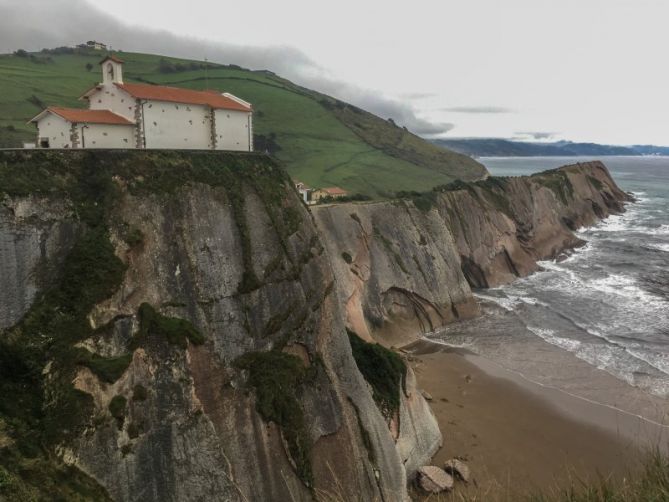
{"x":323,"y":142}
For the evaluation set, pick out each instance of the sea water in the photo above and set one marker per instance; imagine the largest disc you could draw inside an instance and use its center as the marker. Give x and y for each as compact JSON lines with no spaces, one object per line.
{"x":608,"y":303}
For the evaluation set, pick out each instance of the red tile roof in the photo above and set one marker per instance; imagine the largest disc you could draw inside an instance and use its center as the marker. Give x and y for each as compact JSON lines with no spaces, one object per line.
{"x":113,"y":58}
{"x":77,"y":115}
{"x":187,"y":96}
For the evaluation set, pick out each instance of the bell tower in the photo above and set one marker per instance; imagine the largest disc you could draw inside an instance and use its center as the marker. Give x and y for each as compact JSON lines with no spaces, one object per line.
{"x":112,"y":70}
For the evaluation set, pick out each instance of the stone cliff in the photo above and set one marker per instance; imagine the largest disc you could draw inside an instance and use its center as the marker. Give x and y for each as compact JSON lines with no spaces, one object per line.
{"x":174,"y":325}
{"x":406,"y":267}
{"x":171,"y":330}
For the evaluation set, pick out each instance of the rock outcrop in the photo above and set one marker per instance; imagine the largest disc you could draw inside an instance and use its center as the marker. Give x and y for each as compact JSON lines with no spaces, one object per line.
{"x":432,"y":479}
{"x":406,"y":267}
{"x":212,"y":362}
{"x":174,"y":324}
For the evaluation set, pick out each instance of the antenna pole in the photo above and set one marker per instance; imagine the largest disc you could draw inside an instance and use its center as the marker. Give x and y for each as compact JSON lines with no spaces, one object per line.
{"x":206,"y":75}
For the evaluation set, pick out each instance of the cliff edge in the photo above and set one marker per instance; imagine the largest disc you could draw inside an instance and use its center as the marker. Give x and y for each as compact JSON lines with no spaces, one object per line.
{"x":179,"y":326}
{"x":406,"y":267}
{"x":170,"y":331}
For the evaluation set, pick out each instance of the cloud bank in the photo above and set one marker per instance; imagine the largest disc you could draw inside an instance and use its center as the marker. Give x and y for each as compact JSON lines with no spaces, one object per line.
{"x":477,"y":109}
{"x":38,"y":24}
{"x":536,"y":135}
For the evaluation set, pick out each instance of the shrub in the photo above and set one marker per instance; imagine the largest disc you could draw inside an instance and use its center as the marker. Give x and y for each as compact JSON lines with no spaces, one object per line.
{"x":117,"y":408}
{"x":383,"y":369}
{"x":176,"y":331}
{"x":107,"y":369}
{"x":139,"y":393}
{"x":276,"y":378}
{"x":133,"y":431}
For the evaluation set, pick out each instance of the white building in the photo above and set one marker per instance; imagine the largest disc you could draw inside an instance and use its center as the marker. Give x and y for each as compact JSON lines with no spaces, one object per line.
{"x":93,"y":44}
{"x":123,"y":115}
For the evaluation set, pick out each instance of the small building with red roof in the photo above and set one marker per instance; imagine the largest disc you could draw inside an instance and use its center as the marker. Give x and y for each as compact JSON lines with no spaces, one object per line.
{"x":131,"y":115}
{"x":328,"y":193}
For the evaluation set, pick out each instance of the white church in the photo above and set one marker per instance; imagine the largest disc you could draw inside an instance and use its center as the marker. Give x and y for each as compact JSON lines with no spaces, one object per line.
{"x":121,"y":115}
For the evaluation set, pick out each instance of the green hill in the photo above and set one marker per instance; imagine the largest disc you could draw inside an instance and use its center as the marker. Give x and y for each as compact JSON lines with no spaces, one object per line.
{"x":321,"y":141}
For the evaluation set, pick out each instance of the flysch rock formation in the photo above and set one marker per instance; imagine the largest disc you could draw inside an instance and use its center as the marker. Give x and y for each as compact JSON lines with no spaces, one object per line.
{"x":403,"y":271}
{"x":220,"y":246}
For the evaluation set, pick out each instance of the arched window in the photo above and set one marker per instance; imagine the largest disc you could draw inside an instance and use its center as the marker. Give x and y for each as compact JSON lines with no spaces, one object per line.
{"x":110,"y":71}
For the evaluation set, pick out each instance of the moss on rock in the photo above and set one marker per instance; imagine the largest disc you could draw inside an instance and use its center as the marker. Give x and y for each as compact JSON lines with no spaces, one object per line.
{"x":176,"y":331}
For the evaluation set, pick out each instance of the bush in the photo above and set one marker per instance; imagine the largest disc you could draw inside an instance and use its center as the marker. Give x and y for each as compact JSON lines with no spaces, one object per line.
{"x":36,"y":101}
{"x":276,"y":378}
{"x":107,"y":369}
{"x":383,"y":369}
{"x":139,"y":393}
{"x":164,"y":66}
{"x":176,"y":331}
{"x":356,"y":197}
{"x":117,"y":408}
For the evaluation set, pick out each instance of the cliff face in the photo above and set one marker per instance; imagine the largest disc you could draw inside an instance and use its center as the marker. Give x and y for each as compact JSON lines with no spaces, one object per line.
{"x":182,"y":310}
{"x":173,"y":324}
{"x":406,"y":267}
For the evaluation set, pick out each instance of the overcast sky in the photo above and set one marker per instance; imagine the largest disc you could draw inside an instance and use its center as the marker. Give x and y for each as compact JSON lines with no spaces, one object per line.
{"x":586,"y":70}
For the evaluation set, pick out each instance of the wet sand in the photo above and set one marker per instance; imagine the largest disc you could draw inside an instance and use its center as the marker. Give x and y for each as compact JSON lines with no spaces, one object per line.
{"x":518,"y":436}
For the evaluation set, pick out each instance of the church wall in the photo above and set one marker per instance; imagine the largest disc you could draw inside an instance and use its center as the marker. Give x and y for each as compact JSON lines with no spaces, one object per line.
{"x":107,"y":136}
{"x":176,"y":125}
{"x":56,"y":129}
{"x":233,"y":130}
{"x":112,"y":98}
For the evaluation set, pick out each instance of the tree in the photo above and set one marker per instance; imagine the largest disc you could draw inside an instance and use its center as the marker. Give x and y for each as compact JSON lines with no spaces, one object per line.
{"x":89,"y":66}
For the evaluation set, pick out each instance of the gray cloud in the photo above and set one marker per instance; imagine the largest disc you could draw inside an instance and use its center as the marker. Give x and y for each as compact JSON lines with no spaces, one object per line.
{"x":36,"y":24}
{"x":477,"y":109}
{"x":535,"y":135}
{"x":419,"y":95}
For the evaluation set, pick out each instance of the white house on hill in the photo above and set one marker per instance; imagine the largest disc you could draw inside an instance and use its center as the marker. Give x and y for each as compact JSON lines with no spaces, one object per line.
{"x":124,"y":115}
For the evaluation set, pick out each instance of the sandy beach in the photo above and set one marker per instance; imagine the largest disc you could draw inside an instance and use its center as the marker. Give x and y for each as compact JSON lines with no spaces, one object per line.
{"x":519,"y":436}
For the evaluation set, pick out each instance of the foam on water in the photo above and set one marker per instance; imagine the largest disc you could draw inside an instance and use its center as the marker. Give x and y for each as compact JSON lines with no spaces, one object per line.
{"x":608,"y":303}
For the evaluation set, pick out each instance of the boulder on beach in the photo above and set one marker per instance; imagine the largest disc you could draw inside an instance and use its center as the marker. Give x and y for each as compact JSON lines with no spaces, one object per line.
{"x":458,"y":469}
{"x":426,"y":395}
{"x":433,"y":479}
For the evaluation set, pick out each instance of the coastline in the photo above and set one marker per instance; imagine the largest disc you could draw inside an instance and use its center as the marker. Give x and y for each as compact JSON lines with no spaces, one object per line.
{"x":519,"y":436}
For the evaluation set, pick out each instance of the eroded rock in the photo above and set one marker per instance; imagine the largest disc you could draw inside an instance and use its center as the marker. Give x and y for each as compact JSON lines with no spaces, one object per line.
{"x":458,"y":469}
{"x":433,"y":479}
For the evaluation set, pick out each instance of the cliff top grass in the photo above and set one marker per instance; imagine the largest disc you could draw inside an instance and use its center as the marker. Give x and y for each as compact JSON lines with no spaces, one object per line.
{"x":321,"y":141}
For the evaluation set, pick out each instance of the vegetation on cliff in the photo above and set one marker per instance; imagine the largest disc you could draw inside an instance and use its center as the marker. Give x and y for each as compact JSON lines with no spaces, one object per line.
{"x":322,"y":141}
{"x":176,"y":331}
{"x":276,"y":378}
{"x":383,"y":369}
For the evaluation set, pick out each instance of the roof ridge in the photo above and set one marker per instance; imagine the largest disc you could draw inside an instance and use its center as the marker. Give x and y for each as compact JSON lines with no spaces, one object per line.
{"x":167,"y":93}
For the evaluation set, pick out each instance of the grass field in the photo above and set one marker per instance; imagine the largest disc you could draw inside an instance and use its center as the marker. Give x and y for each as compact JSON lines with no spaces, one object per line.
{"x":321,"y":141}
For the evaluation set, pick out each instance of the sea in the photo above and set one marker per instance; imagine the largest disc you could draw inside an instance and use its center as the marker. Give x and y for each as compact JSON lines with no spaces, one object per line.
{"x":608,"y":303}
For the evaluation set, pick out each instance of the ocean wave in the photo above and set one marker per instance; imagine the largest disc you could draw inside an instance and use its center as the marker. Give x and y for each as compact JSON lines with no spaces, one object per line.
{"x":660,"y":247}
{"x":614,"y":359}
{"x":508,"y":303}
{"x":577,"y":281}
{"x":657,"y":360}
